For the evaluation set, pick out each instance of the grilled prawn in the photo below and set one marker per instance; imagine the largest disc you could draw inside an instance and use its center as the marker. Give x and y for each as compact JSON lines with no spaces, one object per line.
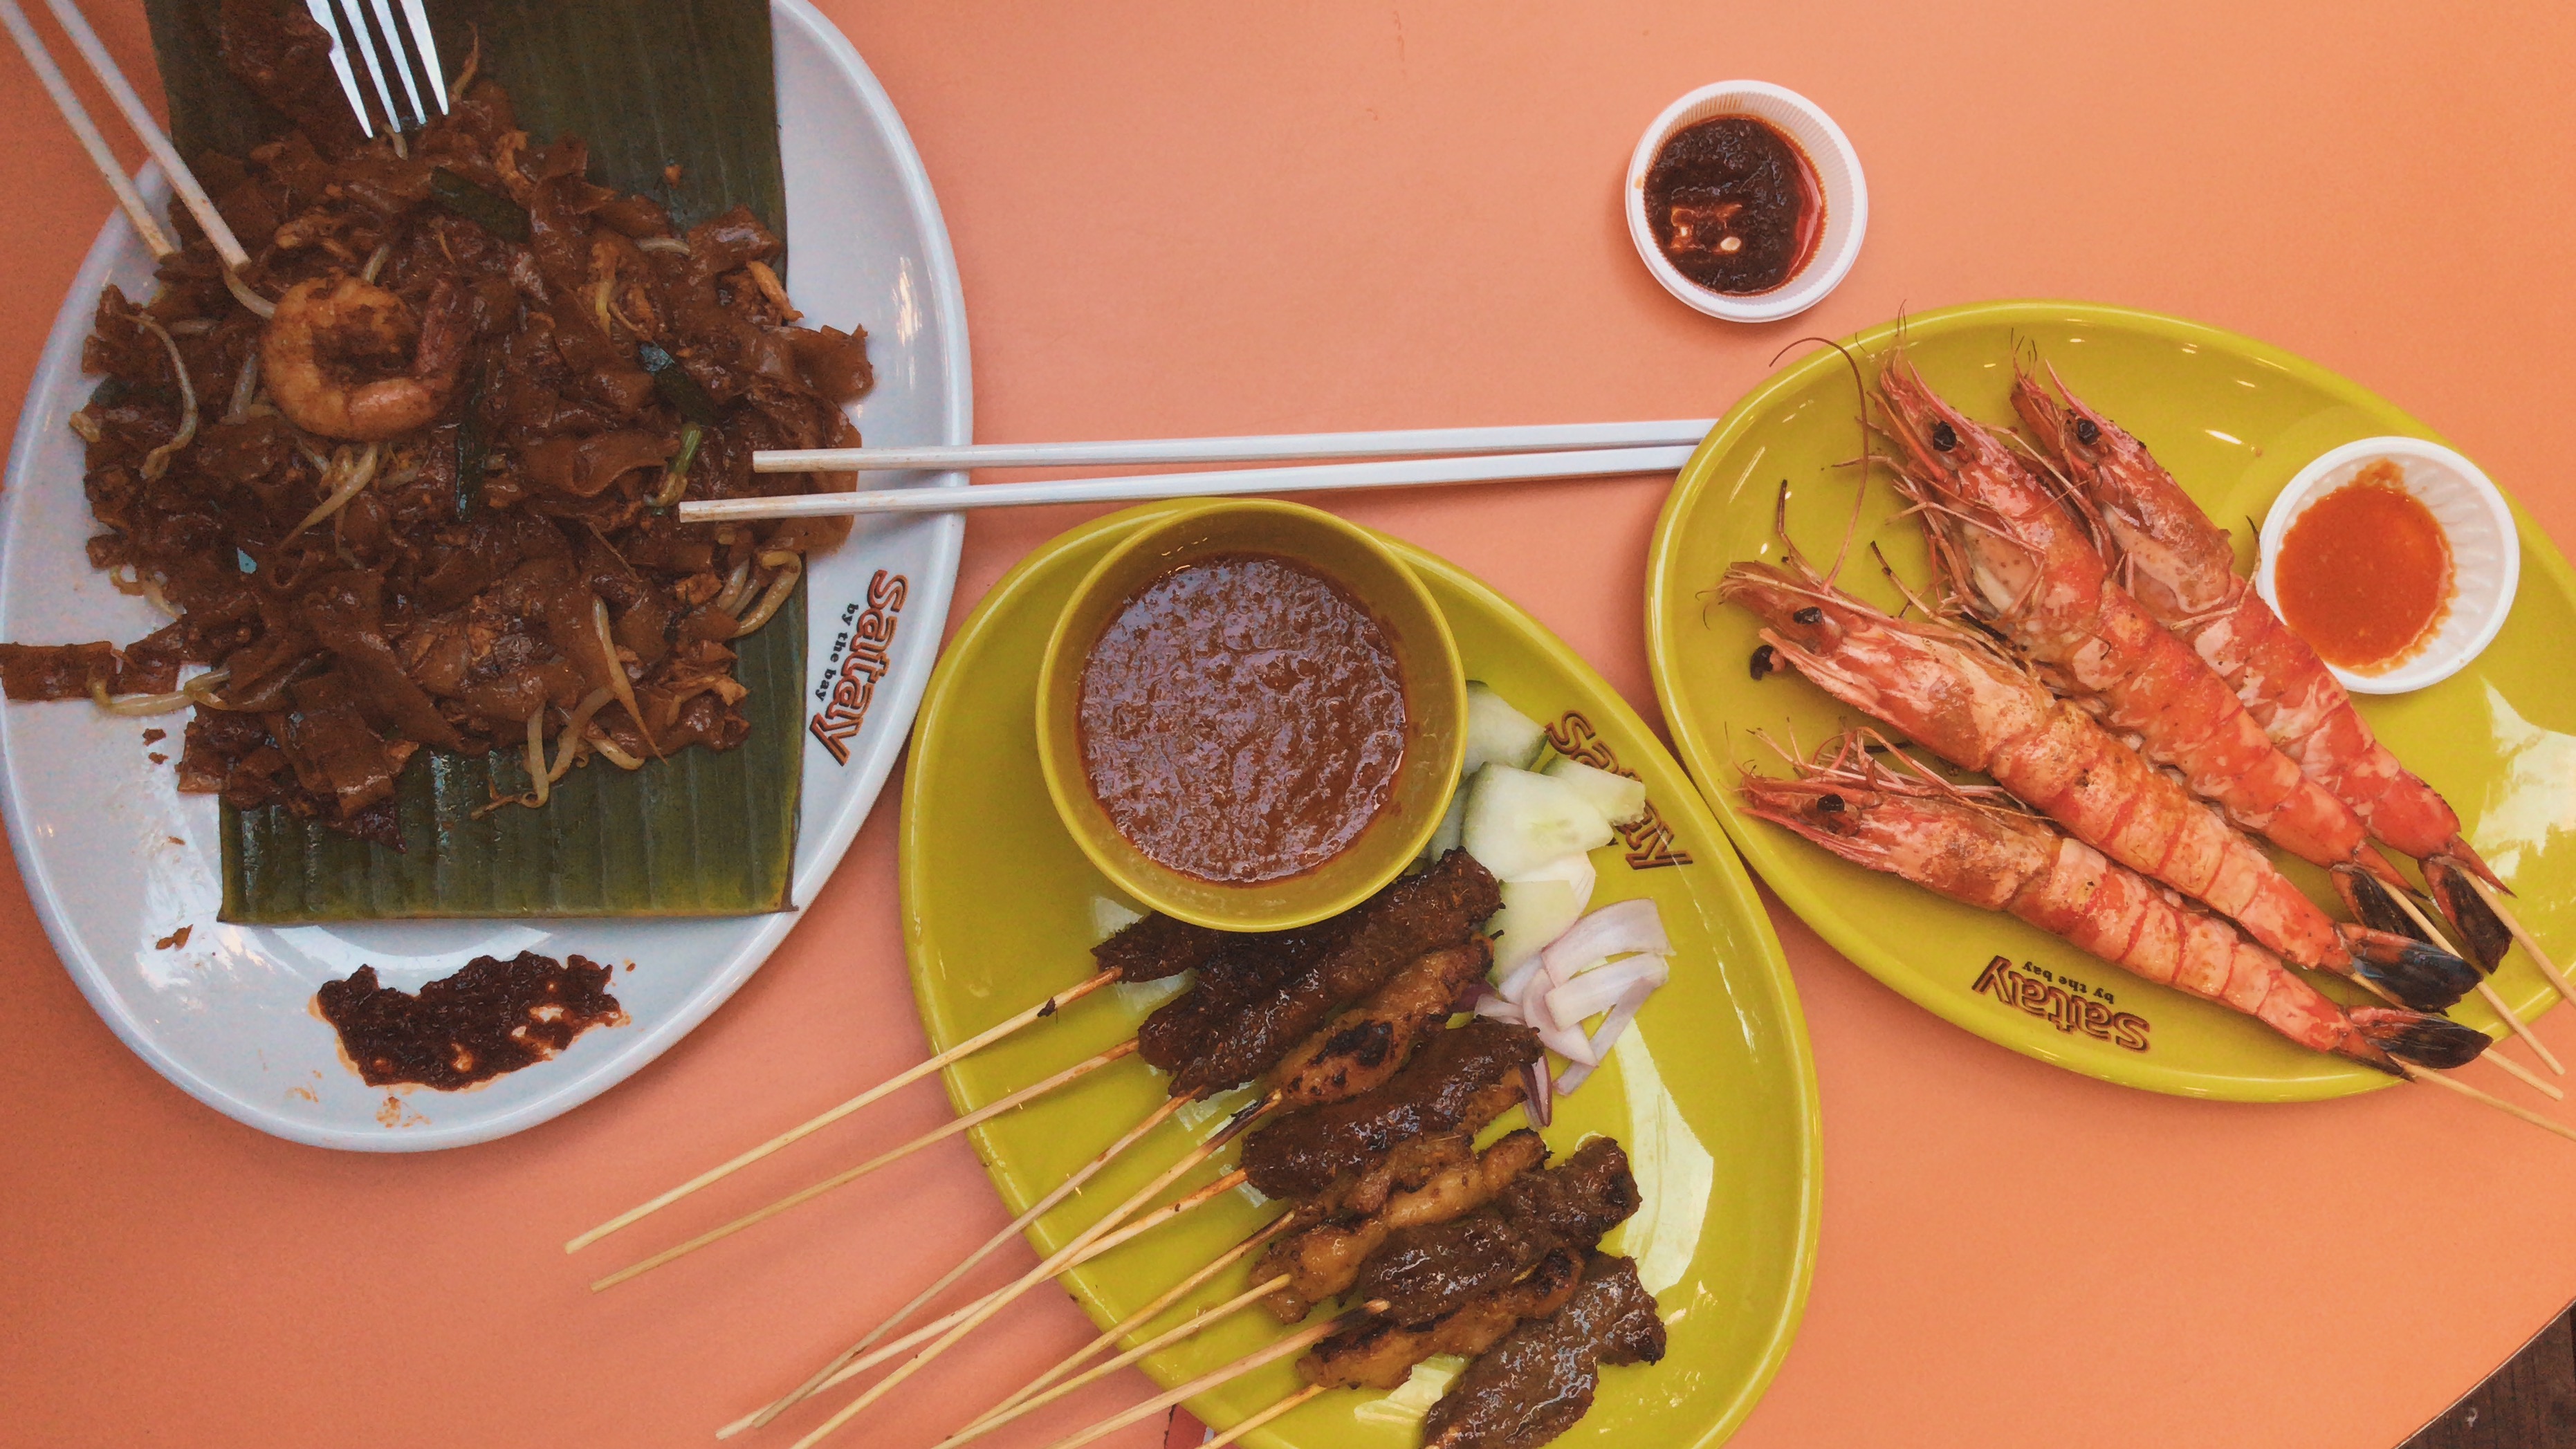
{"x":1961,"y":699}
{"x":2026,"y":568}
{"x":1995,"y":857}
{"x":2181,"y":569}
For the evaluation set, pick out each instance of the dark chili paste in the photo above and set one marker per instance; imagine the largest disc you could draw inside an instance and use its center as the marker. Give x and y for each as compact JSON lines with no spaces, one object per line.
{"x":1242,"y":719}
{"x":1734,"y":204}
{"x":492,"y":1017}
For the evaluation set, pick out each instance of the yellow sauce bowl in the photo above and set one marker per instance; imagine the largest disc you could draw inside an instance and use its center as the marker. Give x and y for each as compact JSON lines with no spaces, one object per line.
{"x":1435,"y":708}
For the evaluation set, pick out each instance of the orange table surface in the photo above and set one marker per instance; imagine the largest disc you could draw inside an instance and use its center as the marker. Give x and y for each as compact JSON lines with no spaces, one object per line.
{"x":1183,"y":219}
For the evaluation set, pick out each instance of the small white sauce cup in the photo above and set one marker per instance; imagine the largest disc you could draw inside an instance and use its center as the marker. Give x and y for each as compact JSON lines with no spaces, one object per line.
{"x":1838,"y":176}
{"x":2486,"y":550}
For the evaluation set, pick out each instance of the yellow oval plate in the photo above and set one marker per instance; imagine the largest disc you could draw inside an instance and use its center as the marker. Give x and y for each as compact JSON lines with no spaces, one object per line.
{"x":1712,"y":1093}
{"x":2233,"y":419}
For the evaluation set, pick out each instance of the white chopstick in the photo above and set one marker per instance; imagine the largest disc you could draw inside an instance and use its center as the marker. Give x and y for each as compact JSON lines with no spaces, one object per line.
{"x":77,"y":116}
{"x":1413,"y":473}
{"x":130,"y":105}
{"x":1274,"y":448}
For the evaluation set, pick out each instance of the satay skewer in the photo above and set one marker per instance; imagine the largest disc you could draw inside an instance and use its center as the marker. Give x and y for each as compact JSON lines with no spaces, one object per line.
{"x":807,"y":1194}
{"x":1056,"y":1263}
{"x":993,"y":1244}
{"x":1196,"y":1323}
{"x":895,"y":1083}
{"x":1259,"y":1238}
{"x":1213,"y":1378}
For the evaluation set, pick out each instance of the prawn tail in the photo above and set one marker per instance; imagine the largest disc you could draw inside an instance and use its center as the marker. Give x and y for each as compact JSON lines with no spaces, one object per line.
{"x":2482,"y":933}
{"x":2376,"y":906}
{"x":2410,"y":1036}
{"x":2457,"y":851}
{"x":2422,"y":976}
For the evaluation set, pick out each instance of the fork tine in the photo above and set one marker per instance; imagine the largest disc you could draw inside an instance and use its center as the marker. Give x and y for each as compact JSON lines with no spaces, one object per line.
{"x":417,"y":12}
{"x":392,"y":39}
{"x":330,"y":23}
{"x":353,"y":31}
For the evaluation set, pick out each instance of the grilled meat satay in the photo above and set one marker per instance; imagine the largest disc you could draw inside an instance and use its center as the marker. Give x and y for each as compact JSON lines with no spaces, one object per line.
{"x":1370,"y":1042}
{"x":1322,"y":1261}
{"x":1540,"y":1378}
{"x":1459,"y":1081}
{"x":1425,"y":1271}
{"x":1379,"y":1353}
{"x":1243,"y":1026}
{"x":1157,"y":946}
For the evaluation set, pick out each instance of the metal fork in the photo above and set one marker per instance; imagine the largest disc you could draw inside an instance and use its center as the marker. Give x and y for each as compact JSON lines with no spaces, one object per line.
{"x":349,"y":32}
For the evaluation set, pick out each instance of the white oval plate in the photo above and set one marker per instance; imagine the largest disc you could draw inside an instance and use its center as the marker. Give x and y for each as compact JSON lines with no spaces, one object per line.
{"x":116,"y":859}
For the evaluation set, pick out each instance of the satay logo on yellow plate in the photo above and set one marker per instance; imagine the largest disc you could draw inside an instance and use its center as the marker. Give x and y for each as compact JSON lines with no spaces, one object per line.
{"x":1648,"y":838}
{"x":2063,"y":1002}
{"x":860,"y":657}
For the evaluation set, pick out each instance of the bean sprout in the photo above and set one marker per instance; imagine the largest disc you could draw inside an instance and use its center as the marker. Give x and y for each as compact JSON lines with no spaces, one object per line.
{"x":731,"y":598}
{"x":157,"y":462}
{"x":257,"y":305}
{"x":135,"y":706}
{"x":572,"y":736}
{"x":192,"y":326}
{"x":376,"y":261}
{"x":792,"y":567}
{"x":617,"y":679}
{"x":355,"y":474}
{"x":245,"y":388}
{"x":663,"y":244}
{"x":608,"y":749}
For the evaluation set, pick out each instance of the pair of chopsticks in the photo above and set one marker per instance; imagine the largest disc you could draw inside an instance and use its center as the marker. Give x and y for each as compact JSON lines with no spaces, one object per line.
{"x":130,"y":105}
{"x":1409,"y":458}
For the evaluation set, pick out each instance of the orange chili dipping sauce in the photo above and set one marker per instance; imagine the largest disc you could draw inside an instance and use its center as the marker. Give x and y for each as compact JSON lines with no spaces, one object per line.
{"x":2364,"y":575}
{"x":1243,"y":719}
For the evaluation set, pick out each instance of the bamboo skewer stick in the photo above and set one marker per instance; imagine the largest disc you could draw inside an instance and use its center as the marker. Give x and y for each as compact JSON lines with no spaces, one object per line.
{"x":895,"y":1083}
{"x":2549,"y":968}
{"x":1270,"y":448}
{"x":2464,"y":1089}
{"x":1227,"y":483}
{"x":1011,"y":1230}
{"x":1293,"y":1343}
{"x":1048,"y":1269}
{"x":2492,"y":999}
{"x":85,"y":130}
{"x":1195,"y":1323}
{"x":1255,"y":1421}
{"x":1132,"y":1231}
{"x":130,"y":105}
{"x":803,"y":1195}
{"x":2521,"y":1028}
{"x":1144,"y":1315}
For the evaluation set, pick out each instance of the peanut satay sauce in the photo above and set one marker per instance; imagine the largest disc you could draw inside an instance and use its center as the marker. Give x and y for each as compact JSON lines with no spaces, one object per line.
{"x":1242,"y":719}
{"x":2364,"y":575}
{"x":1734,"y":204}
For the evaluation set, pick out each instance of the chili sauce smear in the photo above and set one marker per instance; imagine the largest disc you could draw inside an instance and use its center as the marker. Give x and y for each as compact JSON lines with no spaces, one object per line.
{"x":1242,"y":719}
{"x":1734,"y":205}
{"x":2364,"y":575}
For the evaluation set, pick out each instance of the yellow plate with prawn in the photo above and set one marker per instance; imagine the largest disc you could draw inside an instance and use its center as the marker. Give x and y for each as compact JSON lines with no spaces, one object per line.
{"x":2229,"y":420}
{"x":1711,"y":1092}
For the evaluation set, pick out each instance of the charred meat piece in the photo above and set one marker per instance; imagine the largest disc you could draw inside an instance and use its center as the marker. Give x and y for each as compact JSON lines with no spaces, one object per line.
{"x":1236,"y":1035}
{"x":1422,"y":1272}
{"x":1323,"y":1260}
{"x":1370,"y":1042}
{"x":1380,"y":1352}
{"x":1540,"y":1379}
{"x":1461,"y":1080}
{"x":1158,"y":946}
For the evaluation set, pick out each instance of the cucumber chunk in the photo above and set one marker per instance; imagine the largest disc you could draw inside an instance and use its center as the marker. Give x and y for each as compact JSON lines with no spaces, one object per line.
{"x":1619,"y":799}
{"x":1452,"y":821}
{"x":1518,"y":821}
{"x":1497,"y":733}
{"x":1537,"y":908}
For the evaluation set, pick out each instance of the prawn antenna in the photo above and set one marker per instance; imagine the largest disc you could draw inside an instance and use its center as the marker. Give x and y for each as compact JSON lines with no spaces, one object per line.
{"x":1860,"y":495}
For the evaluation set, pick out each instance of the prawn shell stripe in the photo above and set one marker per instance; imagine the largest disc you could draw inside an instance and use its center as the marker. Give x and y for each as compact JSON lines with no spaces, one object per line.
{"x":2069,"y":1010}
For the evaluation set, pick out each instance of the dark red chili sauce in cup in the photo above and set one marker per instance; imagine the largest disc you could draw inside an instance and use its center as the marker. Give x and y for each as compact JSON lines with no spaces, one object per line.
{"x":1734,"y":204}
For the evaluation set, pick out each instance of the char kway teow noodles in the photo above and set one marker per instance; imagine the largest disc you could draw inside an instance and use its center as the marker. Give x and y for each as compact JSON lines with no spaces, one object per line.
{"x":405,"y":483}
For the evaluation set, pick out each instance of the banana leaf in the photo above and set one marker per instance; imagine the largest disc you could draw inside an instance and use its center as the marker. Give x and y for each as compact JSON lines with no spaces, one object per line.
{"x":678,"y":101}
